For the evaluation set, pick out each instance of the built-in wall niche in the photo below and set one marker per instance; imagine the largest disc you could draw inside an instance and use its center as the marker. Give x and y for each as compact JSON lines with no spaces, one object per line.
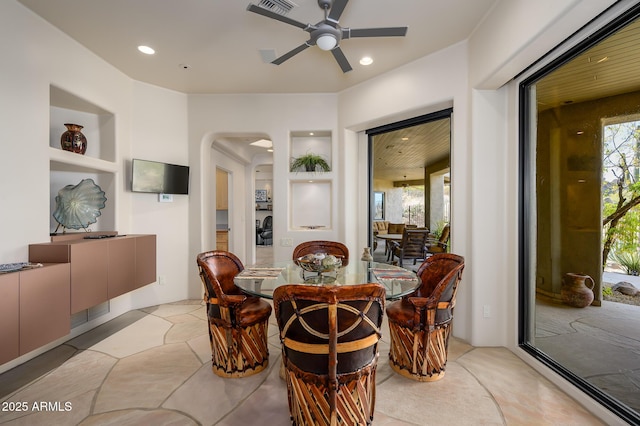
{"x":64,"y":175}
{"x":99,"y":161}
{"x":311,"y":142}
{"x":311,"y":204}
{"x":98,"y":124}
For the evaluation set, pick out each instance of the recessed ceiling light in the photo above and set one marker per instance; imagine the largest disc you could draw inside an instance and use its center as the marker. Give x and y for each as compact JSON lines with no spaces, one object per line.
{"x":263,"y":143}
{"x":146,"y":50}
{"x":405,"y":138}
{"x":310,"y":133}
{"x":366,"y":60}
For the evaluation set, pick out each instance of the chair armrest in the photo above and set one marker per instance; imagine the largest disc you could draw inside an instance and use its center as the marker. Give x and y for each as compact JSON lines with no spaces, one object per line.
{"x":232,"y":300}
{"x":422,"y":302}
{"x":424,"y":311}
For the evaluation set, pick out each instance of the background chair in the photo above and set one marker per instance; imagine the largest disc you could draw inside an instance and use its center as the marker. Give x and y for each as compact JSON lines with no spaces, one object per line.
{"x":266,"y":232}
{"x":420,"y":323}
{"x":318,"y":246}
{"x":440,"y":245}
{"x":329,"y":338}
{"x":412,"y":245}
{"x":237,"y":322}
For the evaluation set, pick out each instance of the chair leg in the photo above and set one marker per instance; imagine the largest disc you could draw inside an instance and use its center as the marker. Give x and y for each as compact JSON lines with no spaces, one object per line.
{"x":420,"y":356}
{"x":239,"y":352}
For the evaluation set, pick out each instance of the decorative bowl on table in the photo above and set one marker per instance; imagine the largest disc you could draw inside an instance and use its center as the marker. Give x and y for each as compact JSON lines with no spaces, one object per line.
{"x":319,"y":262}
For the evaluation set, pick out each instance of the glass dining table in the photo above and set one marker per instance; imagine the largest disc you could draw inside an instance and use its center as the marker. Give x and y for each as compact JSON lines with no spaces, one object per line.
{"x":262,"y":280}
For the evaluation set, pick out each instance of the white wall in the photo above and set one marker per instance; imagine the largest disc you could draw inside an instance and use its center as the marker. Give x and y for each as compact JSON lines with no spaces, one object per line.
{"x":148,"y":121}
{"x":512,"y":37}
{"x":35,"y":56}
{"x":273,"y":115}
{"x":429,"y":84}
{"x":159,"y":133}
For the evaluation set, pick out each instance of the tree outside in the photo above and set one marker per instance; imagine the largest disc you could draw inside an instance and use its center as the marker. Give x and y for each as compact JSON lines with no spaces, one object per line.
{"x":621,"y":195}
{"x":413,"y":205}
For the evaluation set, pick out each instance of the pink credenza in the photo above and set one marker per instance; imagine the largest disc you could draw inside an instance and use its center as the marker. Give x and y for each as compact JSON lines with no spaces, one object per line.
{"x":34,"y":309}
{"x":36,"y":304}
{"x":101,"y":269}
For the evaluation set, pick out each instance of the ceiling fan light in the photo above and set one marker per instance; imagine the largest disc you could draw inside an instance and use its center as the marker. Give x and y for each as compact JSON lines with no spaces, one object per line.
{"x":326,"y":41}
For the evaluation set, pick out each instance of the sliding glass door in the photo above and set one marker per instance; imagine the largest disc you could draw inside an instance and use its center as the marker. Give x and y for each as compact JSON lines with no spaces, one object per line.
{"x":580,"y":215}
{"x":410,"y":172}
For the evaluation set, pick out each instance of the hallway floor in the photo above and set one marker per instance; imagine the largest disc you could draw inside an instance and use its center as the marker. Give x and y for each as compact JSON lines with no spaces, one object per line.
{"x":153,"y":366}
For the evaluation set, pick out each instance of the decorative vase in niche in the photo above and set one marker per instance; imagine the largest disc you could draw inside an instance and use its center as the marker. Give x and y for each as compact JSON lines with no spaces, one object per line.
{"x":575,"y":291}
{"x":73,"y":140}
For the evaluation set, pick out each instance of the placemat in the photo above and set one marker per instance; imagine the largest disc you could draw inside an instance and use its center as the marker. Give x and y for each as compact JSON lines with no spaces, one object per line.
{"x":393,"y":274}
{"x":260,"y":273}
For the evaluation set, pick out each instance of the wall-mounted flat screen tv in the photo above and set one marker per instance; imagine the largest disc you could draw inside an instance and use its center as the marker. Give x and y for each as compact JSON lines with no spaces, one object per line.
{"x":159,"y":178}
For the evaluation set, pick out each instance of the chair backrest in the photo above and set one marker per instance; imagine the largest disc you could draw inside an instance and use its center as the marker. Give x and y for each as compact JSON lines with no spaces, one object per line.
{"x":218,"y":269}
{"x":444,"y":237}
{"x":319,"y":246}
{"x":434,"y":269}
{"x":440,"y":275}
{"x":413,"y":242}
{"x":267,"y":223}
{"x":330,"y":330}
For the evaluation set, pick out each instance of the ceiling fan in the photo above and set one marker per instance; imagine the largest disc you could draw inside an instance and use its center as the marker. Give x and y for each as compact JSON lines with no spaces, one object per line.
{"x":327,"y":34}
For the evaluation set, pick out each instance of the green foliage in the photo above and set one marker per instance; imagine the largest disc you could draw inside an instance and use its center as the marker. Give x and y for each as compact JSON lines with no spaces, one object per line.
{"x":413,"y":205}
{"x":621,"y":188}
{"x":629,"y":260}
{"x":439,"y":227}
{"x":309,"y":162}
{"x":606,"y":291}
{"x":626,"y":233}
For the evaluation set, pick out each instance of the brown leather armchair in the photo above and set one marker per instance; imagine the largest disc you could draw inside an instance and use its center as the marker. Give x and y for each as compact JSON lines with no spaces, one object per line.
{"x":420,"y":323}
{"x":319,"y":246}
{"x":329,"y":338}
{"x":237,"y":322}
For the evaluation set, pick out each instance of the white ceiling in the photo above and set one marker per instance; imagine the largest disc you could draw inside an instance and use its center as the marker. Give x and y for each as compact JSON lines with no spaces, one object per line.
{"x":220,"y":40}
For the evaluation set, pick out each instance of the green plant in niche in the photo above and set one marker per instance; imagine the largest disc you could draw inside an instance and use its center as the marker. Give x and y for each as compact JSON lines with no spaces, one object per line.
{"x":309,"y":163}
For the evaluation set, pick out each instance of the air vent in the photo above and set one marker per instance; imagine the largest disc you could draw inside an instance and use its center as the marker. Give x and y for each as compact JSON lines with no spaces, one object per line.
{"x":281,"y":7}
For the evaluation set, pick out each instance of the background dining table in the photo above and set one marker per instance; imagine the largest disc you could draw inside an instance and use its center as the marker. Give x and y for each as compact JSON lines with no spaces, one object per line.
{"x":261,"y":280}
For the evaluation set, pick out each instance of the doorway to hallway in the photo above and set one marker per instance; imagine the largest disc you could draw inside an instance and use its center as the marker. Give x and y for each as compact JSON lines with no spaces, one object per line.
{"x":222,"y":209}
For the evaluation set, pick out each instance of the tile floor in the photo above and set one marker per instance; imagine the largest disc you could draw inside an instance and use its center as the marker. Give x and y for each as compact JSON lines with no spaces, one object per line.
{"x":152,"y":366}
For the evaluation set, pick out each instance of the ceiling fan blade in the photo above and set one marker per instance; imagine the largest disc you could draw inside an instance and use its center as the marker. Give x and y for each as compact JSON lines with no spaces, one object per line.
{"x":269,"y":14}
{"x":342,"y":60}
{"x":374,"y":32}
{"x":336,"y":10}
{"x":290,"y":54}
